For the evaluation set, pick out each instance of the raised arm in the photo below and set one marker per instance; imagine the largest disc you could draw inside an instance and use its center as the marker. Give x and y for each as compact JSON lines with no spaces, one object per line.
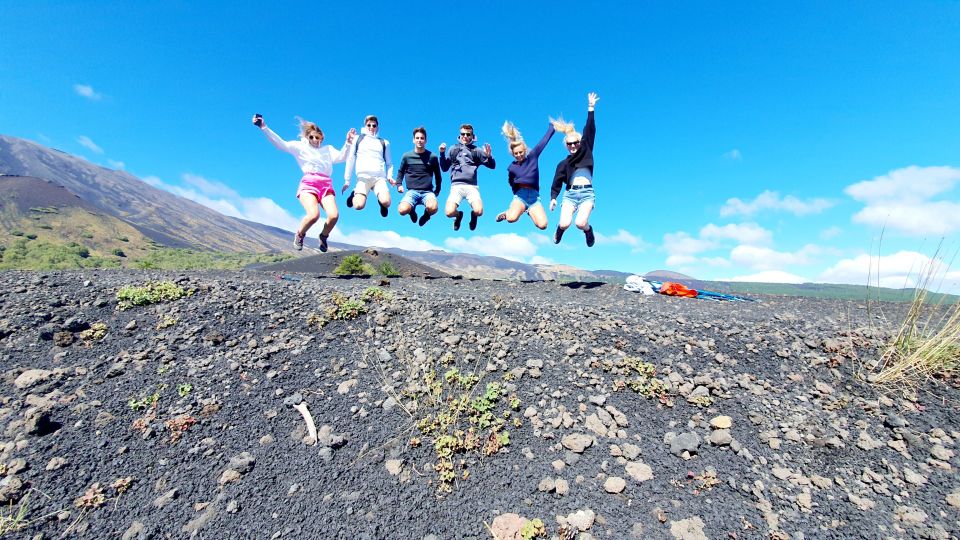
{"x":285,"y":146}
{"x":543,"y":142}
{"x":590,"y":128}
{"x":341,"y":156}
{"x":444,"y":162}
{"x":486,"y":158}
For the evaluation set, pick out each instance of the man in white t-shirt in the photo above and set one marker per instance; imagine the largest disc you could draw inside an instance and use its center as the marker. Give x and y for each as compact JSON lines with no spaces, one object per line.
{"x":370,"y":158}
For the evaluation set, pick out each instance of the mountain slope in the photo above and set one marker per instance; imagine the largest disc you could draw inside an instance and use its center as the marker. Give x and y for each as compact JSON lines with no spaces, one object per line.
{"x":162,"y":216}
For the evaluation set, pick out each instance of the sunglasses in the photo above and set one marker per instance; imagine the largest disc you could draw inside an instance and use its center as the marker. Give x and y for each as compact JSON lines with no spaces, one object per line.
{"x":466,"y":134}
{"x":317,"y":137}
{"x":573,"y":143}
{"x":371,"y":125}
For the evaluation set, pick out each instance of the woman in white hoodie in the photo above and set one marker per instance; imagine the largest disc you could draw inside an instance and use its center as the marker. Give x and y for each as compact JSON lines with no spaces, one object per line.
{"x":316,"y":161}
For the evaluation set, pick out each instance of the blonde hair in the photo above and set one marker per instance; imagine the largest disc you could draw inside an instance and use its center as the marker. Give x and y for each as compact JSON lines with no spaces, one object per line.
{"x":306,"y":127}
{"x":564,"y":127}
{"x":513,"y":136}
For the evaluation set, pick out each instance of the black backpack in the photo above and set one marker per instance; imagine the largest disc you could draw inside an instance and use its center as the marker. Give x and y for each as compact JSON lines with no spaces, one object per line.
{"x":356,"y":147}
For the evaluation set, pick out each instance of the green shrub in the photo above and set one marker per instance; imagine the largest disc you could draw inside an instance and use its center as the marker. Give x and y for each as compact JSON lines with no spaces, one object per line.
{"x":151,"y":293}
{"x":123,"y":239}
{"x":42,"y":255}
{"x":375,"y":294}
{"x":353,"y":265}
{"x":32,"y":236}
{"x":16,"y":233}
{"x":388,"y":269}
{"x":118,"y":252}
{"x":186,"y":259}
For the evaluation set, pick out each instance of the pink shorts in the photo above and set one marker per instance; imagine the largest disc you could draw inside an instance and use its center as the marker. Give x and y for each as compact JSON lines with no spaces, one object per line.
{"x":317,"y":184}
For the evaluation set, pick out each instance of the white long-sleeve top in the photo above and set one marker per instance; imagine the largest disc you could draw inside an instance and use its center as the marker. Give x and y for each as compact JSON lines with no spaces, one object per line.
{"x":311,"y":160}
{"x":371,"y":158}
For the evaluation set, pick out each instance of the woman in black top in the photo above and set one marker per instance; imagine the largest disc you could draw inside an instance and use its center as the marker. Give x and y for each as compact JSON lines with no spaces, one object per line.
{"x":576,"y":173}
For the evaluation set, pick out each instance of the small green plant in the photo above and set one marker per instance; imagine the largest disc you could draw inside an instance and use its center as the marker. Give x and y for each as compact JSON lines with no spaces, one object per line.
{"x":533,"y":528}
{"x":118,"y":252}
{"x":184,"y":389}
{"x":96,"y":332}
{"x":86,"y":235}
{"x":346,"y":308}
{"x":388,"y":269}
{"x":166,"y":321}
{"x":150,"y":293}
{"x":149,"y":401}
{"x":123,"y":239}
{"x":459,"y":422}
{"x":32,"y":236}
{"x":353,"y":265}
{"x":376,"y":294}
{"x":639,"y":376}
{"x":16,"y":233}
{"x":13,"y":518}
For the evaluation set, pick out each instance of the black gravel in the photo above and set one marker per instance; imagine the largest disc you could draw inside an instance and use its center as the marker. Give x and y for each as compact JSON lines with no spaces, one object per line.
{"x":242,"y":342}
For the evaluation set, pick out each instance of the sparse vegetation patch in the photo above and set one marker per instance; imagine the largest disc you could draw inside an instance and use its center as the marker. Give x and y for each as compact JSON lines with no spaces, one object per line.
{"x":151,"y":293}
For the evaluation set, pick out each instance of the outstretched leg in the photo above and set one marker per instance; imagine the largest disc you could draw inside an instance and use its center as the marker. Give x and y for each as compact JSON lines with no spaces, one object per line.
{"x":583,"y":221}
{"x":566,"y":218}
{"x":539,"y":216}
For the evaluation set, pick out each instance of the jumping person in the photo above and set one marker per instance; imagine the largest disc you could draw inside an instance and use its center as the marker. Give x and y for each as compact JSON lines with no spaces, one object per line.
{"x":316,"y":161}
{"x":370,"y":156}
{"x":576,"y":172}
{"x":465,"y":158}
{"x":417,"y":166}
{"x":523,"y":175}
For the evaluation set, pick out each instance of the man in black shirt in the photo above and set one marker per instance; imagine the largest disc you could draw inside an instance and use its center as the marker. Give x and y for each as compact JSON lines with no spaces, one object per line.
{"x":418,"y":166}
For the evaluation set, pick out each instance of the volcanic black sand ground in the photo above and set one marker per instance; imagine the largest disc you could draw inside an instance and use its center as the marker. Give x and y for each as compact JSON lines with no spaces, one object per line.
{"x":611,"y":415}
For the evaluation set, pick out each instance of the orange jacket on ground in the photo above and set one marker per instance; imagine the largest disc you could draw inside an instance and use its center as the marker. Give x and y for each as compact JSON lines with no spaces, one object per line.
{"x":676,"y":289}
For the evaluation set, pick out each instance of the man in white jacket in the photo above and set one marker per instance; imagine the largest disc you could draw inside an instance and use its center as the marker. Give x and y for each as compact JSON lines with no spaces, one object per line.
{"x":370,"y":157}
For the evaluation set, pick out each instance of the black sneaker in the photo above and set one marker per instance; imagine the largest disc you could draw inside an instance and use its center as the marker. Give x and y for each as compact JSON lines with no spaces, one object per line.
{"x":323,"y":242}
{"x":557,"y":235}
{"x":501,"y":216}
{"x":589,"y":234}
{"x":457,"y":219}
{"x":383,"y":210}
{"x":297,"y":241}
{"x":423,"y":219}
{"x":473,"y":221}
{"x":350,"y":200}
{"x":413,"y":216}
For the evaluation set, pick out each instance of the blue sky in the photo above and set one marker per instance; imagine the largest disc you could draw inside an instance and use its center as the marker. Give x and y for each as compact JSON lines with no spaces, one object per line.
{"x":763,"y":141}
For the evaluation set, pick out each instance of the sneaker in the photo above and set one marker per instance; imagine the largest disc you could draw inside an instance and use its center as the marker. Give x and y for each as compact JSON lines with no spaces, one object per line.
{"x":413,"y":216}
{"x":323,"y":242}
{"x":350,"y":200}
{"x":557,"y":235}
{"x":589,"y":234}
{"x":473,"y":221}
{"x":501,"y":216}
{"x":383,"y":210}
{"x":297,"y":241}
{"x":457,"y":219}
{"x":423,"y":219}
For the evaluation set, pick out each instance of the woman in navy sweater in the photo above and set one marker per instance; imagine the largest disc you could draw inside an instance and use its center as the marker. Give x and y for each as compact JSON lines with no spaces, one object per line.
{"x":576,"y":173}
{"x":523,"y":175}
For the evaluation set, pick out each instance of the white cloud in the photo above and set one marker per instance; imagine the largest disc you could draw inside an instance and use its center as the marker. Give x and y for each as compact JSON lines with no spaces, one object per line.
{"x":900,"y":201}
{"x":88,"y":143}
{"x":830,"y":232}
{"x":716,"y":261}
{"x":733,"y":155}
{"x":901,"y":269}
{"x":257,"y":209}
{"x":770,"y":276}
{"x":537,"y":259}
{"x":681,"y":243}
{"x":119,"y":165}
{"x":509,"y":246}
{"x":680,"y":260}
{"x":87,"y":91}
{"x":365,"y":237}
{"x":622,"y":237}
{"x":762,"y":258}
{"x":744,"y":233}
{"x":209,"y":187}
{"x":771,"y":200}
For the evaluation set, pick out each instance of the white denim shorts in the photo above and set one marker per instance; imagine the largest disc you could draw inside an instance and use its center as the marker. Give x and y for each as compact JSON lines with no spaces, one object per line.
{"x":459,"y":192}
